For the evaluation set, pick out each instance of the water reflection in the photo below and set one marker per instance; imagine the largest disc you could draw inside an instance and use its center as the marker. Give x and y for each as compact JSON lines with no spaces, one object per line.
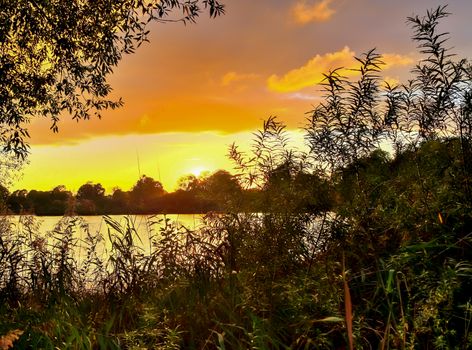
{"x":84,"y":230}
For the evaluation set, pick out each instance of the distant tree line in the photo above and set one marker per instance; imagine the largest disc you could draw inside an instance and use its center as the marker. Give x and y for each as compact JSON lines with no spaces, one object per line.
{"x":220,"y":191}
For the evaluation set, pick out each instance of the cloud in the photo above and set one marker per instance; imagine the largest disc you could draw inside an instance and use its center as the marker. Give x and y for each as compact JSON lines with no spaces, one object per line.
{"x":393,"y":59}
{"x":389,"y":81}
{"x":312,"y":72}
{"x":319,"y":11}
{"x":302,"y":96}
{"x":233,"y":77}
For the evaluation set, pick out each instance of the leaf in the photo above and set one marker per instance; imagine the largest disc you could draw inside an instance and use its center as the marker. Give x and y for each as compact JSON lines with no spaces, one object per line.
{"x":6,"y":341}
{"x":440,"y":218}
{"x":391,"y":274}
{"x":331,"y":319}
{"x":221,"y":341}
{"x":348,"y":307}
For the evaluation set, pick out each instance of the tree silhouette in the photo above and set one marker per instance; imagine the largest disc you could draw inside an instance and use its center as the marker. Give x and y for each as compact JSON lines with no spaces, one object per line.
{"x":56,"y":56}
{"x":90,"y":199}
{"x":17,"y":201}
{"x":53,"y":202}
{"x":189,"y":183}
{"x":220,"y":191}
{"x":145,"y":194}
{"x":4,"y":194}
{"x":91,"y":191}
{"x":120,"y":202}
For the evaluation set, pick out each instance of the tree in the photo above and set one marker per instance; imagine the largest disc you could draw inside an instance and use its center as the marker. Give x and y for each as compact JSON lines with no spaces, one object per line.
{"x":270,"y":153}
{"x":61,"y":200}
{"x":17,"y":201}
{"x":60,"y":193}
{"x":223,"y":190}
{"x":398,"y":216}
{"x":4,"y":193}
{"x":189,"y":183}
{"x":90,"y":199}
{"x":145,"y":194}
{"x":10,"y":167}
{"x":147,"y":187}
{"x":119,"y":202}
{"x":91,"y":191}
{"x":56,"y":56}
{"x":37,"y":201}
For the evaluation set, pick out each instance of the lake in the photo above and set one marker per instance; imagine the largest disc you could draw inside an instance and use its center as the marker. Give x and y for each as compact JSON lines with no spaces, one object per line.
{"x":45,"y":226}
{"x":97,"y":223}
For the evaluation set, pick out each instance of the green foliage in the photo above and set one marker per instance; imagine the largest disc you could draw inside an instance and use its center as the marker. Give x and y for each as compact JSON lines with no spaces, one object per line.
{"x":402,"y":223}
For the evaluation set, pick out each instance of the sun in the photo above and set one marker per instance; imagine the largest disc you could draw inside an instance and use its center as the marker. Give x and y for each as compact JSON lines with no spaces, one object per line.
{"x":198,"y":170}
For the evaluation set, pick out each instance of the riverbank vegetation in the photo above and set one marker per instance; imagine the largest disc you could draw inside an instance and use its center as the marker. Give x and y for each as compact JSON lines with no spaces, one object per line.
{"x":216,"y":192}
{"x":379,"y":257}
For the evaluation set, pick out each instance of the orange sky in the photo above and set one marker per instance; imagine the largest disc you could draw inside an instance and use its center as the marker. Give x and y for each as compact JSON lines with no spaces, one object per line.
{"x":195,"y":89}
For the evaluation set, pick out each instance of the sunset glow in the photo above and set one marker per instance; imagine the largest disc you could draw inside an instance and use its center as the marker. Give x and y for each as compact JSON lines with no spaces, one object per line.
{"x":194,"y":90}
{"x":199,"y":171}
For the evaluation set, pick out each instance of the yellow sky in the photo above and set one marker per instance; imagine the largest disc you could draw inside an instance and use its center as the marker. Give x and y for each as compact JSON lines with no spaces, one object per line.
{"x":196,"y":89}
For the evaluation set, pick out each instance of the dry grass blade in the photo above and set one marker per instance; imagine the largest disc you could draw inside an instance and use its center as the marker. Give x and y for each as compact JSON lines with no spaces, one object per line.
{"x":348,"y":308}
{"x":6,"y":341}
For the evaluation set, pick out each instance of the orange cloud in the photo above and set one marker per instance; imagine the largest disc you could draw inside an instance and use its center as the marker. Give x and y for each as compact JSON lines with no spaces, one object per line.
{"x":393,"y":59}
{"x":233,"y":77}
{"x":312,"y":72}
{"x":319,"y":11}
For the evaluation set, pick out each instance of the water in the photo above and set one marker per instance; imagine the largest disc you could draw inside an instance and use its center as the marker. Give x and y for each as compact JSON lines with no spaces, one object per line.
{"x":45,"y":226}
{"x":97,"y":223}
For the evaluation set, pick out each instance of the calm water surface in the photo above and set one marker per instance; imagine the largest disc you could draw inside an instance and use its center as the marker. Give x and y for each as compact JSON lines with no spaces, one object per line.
{"x":97,"y":223}
{"x":45,"y":226}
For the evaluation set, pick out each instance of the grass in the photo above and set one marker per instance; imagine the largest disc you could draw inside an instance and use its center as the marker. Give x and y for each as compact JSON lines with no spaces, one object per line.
{"x":241,"y":281}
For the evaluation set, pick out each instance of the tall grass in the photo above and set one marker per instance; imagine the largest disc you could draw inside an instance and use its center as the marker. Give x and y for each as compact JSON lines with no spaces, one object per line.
{"x":189,"y":286}
{"x":271,"y":280}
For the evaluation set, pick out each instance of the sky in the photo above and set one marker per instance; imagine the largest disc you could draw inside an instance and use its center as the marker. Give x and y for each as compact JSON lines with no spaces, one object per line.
{"x":195,"y":89}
